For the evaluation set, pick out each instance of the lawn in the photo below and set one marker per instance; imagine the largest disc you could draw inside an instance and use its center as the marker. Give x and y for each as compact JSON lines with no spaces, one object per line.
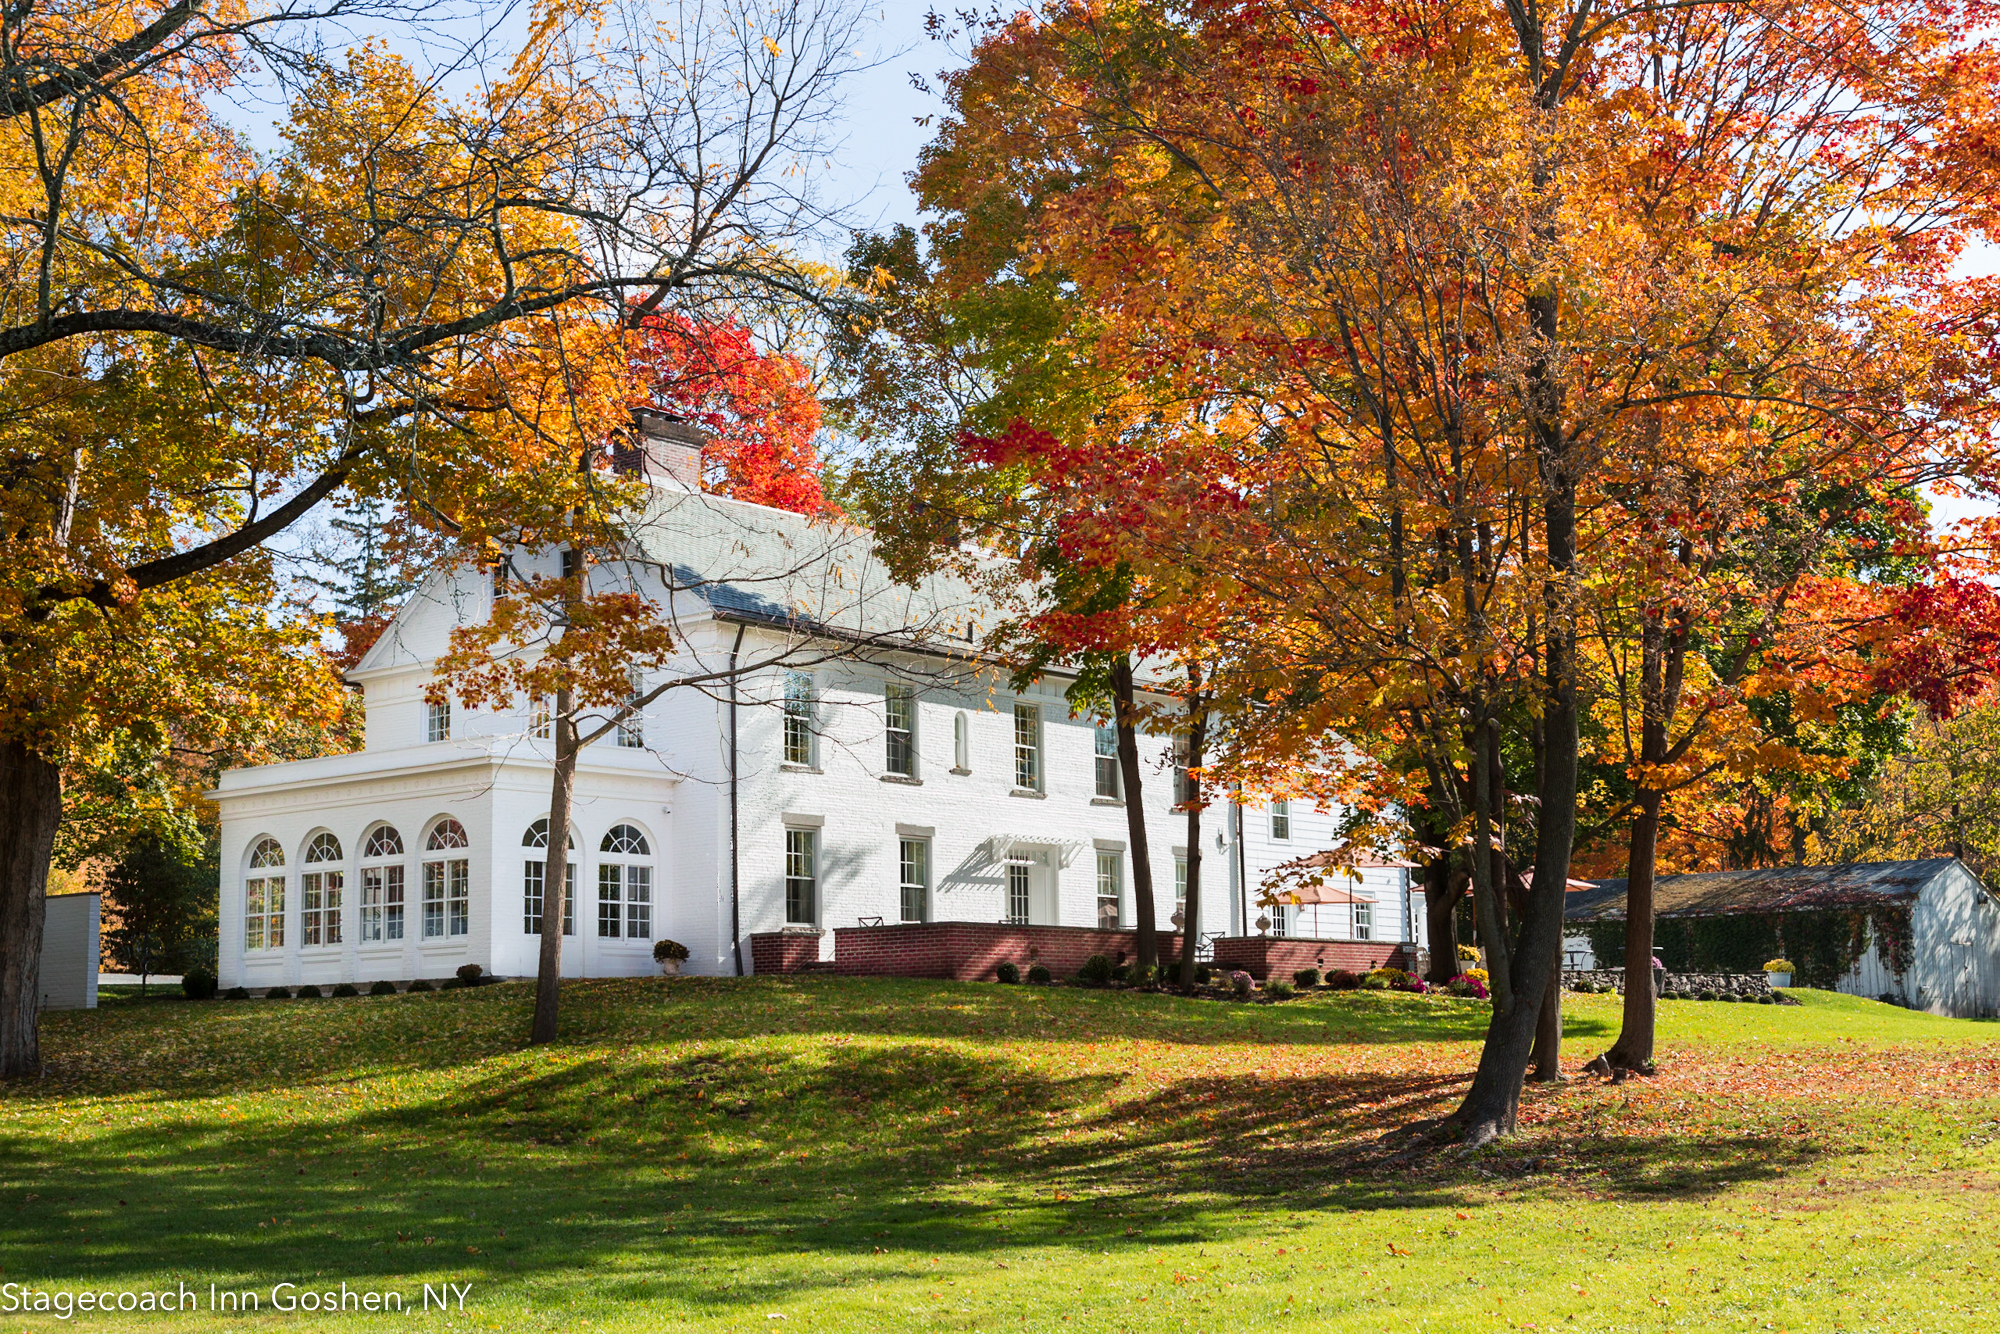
{"x":834,"y":1154}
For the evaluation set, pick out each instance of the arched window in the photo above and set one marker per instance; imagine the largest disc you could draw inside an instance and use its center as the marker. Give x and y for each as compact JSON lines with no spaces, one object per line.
{"x":534,"y":877}
{"x":320,"y":891}
{"x":382,"y":885}
{"x":961,"y":743}
{"x":447,"y":882}
{"x":264,"y":897}
{"x":625,"y":884}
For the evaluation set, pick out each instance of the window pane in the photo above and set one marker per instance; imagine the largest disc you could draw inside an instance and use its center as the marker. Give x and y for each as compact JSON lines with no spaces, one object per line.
{"x":610,"y":913}
{"x":392,"y":907}
{"x":798,"y":718}
{"x":1017,"y":894}
{"x":1109,"y":897}
{"x":1027,"y":746}
{"x":437,"y":726}
{"x":433,"y":899}
{"x":1281,"y":819}
{"x":638,"y":902}
{"x":458,"y":901}
{"x":800,"y":887}
{"x":914,"y":857}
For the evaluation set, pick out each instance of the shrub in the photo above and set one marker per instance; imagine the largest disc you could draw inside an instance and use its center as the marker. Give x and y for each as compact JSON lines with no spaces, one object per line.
{"x":1706,"y":993}
{"x":1306,"y":979}
{"x":277,"y":993}
{"x":1203,"y":974}
{"x":198,"y":984}
{"x":1279,"y":990}
{"x":1465,"y":984}
{"x":1039,"y":973}
{"x":1241,"y":982}
{"x":1729,"y":996}
{"x":309,"y":992}
{"x":664,"y":950}
{"x":347,"y":989}
{"x":1767,"y":999}
{"x":1779,"y":966}
{"x":1381,"y":979}
{"x":1467,"y":954}
{"x":1139,"y":974}
{"x":469,"y":973}
{"x":236,"y":993}
{"x":1122,"y":973}
{"x":419,"y":985}
{"x":382,"y":989}
{"x":1010,"y":973}
{"x":1481,"y":974}
{"x":1342,"y":979}
{"x":1095,"y":972}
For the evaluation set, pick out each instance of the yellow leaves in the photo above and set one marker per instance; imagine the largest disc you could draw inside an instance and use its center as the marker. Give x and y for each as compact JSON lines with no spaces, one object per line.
{"x":776,"y":52}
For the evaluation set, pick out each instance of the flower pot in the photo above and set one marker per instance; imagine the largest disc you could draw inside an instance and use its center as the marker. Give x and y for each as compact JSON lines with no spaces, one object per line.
{"x":1778,"y":979}
{"x":670,"y":967}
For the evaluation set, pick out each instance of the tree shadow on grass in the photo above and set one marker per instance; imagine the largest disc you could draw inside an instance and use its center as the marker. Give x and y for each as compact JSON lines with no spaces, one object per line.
{"x":622,"y":1172}
{"x":227,"y":1047}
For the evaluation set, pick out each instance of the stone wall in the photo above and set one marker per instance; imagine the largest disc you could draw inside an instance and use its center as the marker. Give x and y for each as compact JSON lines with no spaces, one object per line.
{"x":1690,"y":984}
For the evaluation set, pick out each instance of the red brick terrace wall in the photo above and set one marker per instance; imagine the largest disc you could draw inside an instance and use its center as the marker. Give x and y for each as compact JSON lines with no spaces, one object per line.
{"x":970,"y":951}
{"x":1266,"y":957}
{"x":782,"y":951}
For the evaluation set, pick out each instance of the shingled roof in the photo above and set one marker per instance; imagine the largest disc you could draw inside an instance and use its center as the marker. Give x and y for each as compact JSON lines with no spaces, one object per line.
{"x":1778,"y":889}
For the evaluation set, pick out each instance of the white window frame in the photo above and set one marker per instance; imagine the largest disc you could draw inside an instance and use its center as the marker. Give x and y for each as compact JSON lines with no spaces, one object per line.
{"x":1180,"y":878}
{"x":264,"y":897}
{"x":321,"y":889}
{"x":801,"y":875}
{"x":1110,"y":782}
{"x":1110,"y":888}
{"x":899,"y":729}
{"x":1020,"y":893}
{"x":1364,"y":920}
{"x":801,"y":738}
{"x":1028,"y":769}
{"x":1281,"y":821}
{"x":913,"y":878}
{"x":437,"y":721}
{"x":534,"y":880}
{"x":961,"y":743}
{"x":384,"y":887}
{"x":631,"y":734}
{"x":447,"y":882}
{"x":625,"y":884}
{"x":542,"y":717}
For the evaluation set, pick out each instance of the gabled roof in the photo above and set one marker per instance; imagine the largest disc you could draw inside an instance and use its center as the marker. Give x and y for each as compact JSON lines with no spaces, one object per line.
{"x":1776,"y":889}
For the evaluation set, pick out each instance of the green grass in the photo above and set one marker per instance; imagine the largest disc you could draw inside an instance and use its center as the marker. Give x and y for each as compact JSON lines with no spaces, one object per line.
{"x":863,"y":1155}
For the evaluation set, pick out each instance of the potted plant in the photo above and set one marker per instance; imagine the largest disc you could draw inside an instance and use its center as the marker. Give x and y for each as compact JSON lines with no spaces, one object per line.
{"x":669,"y":954}
{"x":1778,"y":972}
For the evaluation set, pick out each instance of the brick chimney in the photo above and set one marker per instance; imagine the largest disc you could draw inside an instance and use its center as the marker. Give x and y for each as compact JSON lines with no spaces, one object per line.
{"x":663,"y":448}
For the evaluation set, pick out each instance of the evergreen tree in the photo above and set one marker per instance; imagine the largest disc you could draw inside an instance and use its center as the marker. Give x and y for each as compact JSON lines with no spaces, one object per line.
{"x":366,"y":584}
{"x":161,"y":904}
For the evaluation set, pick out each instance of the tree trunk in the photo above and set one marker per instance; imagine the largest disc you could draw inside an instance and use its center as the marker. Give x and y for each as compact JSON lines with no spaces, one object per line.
{"x":1191,"y":911}
{"x":30,"y":810}
{"x":1493,"y":1103}
{"x":1441,"y":921}
{"x":1546,"y":1058}
{"x":1143,"y":908}
{"x":1634,"y":1048}
{"x":555,"y":876}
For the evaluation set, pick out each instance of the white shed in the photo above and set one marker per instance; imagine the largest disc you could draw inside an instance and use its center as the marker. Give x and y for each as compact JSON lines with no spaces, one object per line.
{"x":1953,"y":956}
{"x":70,"y":952}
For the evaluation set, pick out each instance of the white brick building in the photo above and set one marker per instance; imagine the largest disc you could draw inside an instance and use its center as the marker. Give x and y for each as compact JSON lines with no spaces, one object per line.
{"x":836,"y":782}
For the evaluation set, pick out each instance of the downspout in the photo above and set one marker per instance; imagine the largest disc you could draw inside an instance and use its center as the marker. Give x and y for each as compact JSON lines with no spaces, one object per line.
{"x":735,"y":876}
{"x":1242,"y":869}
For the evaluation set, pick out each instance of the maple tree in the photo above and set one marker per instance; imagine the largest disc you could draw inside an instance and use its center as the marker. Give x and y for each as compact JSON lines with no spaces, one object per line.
{"x":414,"y":299}
{"x":1445,"y":293}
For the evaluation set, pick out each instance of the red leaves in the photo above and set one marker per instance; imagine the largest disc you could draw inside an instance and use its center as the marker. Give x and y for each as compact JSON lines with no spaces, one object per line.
{"x":1945,"y":644}
{"x":758,"y":407}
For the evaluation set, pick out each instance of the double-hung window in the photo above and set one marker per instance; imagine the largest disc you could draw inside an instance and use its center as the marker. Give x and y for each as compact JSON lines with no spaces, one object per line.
{"x":1107,"y":762}
{"x":320,"y":890}
{"x":799,"y":705}
{"x":802,"y":877}
{"x":534,"y":881}
{"x":447,"y":882}
{"x":437,"y":720}
{"x":382,"y":886}
{"x":542,"y":717}
{"x":1109,"y":893}
{"x":264,"y":898}
{"x":914,"y":862}
{"x":1364,"y":921}
{"x":1018,"y":885}
{"x":1281,"y":819}
{"x":625,"y":885}
{"x":1180,"y":879}
{"x":1028,"y":747}
{"x":632,"y":731}
{"x":899,"y":716}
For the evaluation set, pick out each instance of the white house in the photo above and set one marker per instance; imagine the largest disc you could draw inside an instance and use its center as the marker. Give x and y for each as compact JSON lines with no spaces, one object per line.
{"x":837,"y":754}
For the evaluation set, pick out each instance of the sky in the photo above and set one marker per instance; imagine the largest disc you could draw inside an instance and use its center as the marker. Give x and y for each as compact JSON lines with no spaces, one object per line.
{"x":883,"y":118}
